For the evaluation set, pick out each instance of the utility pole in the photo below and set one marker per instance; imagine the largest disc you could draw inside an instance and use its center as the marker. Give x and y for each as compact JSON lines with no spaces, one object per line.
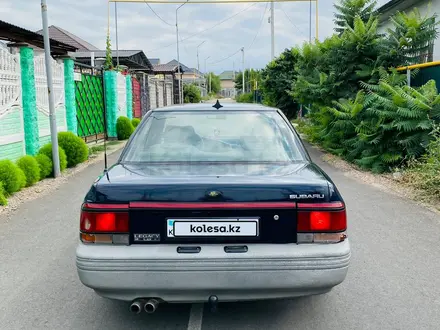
{"x":243,"y":88}
{"x":310,"y":21}
{"x":272,"y":29}
{"x":233,"y":76}
{"x":117,"y":39}
{"x":198,"y":63}
{"x":206,"y":82}
{"x":52,"y":115}
{"x":178,"y":55}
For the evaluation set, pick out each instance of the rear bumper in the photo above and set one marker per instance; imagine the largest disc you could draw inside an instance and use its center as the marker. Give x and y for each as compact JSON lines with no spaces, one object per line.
{"x":266,"y":271}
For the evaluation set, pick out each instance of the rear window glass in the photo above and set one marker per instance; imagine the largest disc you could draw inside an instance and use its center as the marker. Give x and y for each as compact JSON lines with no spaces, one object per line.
{"x":207,"y":136}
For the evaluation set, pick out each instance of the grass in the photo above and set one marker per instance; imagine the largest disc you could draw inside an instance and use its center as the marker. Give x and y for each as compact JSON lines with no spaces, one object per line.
{"x":100,"y":148}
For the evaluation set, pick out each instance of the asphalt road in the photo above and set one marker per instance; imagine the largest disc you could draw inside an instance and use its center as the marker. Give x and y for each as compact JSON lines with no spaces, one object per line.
{"x":393,"y":282}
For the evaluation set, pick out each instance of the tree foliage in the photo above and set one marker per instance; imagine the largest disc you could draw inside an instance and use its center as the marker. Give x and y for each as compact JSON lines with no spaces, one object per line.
{"x":252,"y":79}
{"x":214,"y":81}
{"x":359,"y":107}
{"x":108,"y":64}
{"x":348,"y":10}
{"x":191,"y":94}
{"x":276,"y":81}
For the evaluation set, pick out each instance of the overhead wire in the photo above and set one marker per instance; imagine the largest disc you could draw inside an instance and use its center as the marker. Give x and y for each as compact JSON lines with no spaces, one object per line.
{"x":291,"y":21}
{"x":157,"y":15}
{"x":205,"y":30}
{"x":252,"y":42}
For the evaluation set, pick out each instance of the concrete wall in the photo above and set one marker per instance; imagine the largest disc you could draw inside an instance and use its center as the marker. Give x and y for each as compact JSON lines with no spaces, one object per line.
{"x":12,"y":144}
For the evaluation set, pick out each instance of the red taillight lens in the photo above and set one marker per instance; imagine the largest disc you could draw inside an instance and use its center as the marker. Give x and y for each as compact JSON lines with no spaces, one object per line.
{"x":105,"y":222}
{"x":321,"y":218}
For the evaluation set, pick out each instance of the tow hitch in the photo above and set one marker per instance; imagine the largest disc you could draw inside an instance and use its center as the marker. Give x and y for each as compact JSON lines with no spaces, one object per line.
{"x":213,"y":302}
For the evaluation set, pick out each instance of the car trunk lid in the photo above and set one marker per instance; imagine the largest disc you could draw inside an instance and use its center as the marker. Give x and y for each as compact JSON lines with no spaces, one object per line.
{"x":220,"y":204}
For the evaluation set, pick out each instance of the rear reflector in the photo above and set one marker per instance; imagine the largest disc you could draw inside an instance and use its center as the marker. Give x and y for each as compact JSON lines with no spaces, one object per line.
{"x":324,"y":238}
{"x":321,"y":218}
{"x":107,"y":225}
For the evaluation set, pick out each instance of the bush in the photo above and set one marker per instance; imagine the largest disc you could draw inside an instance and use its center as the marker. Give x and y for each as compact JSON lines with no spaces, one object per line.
{"x":135,"y":122}
{"x":29,"y":166}
{"x":75,"y":148}
{"x":423,"y":174}
{"x":124,"y":128}
{"x":10,"y":176}
{"x":21,"y":178}
{"x":245,"y":98}
{"x":47,"y":150}
{"x":3,"y":200}
{"x":45,"y":164}
{"x":191,"y":94}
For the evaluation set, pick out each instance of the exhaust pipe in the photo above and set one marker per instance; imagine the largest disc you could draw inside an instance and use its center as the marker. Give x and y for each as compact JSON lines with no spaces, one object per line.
{"x":136,"y":306}
{"x":151,"y":306}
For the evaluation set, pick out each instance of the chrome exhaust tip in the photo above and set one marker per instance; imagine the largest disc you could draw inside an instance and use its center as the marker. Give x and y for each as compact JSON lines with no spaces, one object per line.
{"x":136,"y":306}
{"x":151,"y":306}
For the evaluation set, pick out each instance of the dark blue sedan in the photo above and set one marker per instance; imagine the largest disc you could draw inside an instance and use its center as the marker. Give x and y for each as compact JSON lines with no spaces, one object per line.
{"x":212,"y":204}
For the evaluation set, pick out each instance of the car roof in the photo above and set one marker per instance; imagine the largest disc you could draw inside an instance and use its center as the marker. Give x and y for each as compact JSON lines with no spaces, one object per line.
{"x":210,"y":106}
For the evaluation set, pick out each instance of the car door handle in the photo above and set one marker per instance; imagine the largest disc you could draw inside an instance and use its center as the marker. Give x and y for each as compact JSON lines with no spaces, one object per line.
{"x":189,"y":249}
{"x":236,"y":249}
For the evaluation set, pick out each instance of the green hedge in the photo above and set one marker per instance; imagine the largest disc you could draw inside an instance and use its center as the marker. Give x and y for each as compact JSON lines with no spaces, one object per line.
{"x":29,"y":165}
{"x":3,"y":200}
{"x":47,"y":150}
{"x":10,"y":176}
{"x":124,"y":128}
{"x":135,"y":122}
{"x":75,"y":148}
{"x":45,"y":164}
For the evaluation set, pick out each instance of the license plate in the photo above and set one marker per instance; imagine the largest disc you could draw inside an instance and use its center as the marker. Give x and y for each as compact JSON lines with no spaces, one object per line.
{"x":212,"y":227}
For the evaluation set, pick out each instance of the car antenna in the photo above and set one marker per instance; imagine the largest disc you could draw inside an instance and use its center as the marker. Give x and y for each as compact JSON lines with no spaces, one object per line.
{"x":217,"y":105}
{"x":105,"y":155}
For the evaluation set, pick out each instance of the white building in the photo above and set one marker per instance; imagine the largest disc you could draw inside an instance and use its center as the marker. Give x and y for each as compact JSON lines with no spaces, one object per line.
{"x":425,"y":7}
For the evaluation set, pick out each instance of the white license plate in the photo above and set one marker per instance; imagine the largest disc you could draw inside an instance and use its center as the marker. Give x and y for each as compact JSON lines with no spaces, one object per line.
{"x":212,"y":227}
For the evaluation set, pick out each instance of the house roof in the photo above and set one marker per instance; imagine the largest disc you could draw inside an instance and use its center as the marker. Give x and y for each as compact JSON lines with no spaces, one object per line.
{"x":13,"y":33}
{"x":227,"y":75}
{"x":155,"y":61}
{"x":194,"y":70}
{"x":183,"y":66}
{"x":133,"y":59}
{"x":68,"y":38}
{"x":166,"y":68}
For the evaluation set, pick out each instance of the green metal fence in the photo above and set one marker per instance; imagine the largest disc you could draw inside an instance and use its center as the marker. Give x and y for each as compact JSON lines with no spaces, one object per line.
{"x":90,"y":107}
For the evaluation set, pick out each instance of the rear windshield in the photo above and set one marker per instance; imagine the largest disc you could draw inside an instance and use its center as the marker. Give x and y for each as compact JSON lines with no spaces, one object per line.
{"x":207,"y":136}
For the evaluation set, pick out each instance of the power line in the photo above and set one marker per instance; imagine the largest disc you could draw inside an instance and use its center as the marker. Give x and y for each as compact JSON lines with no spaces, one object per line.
{"x":252,"y":42}
{"x":225,"y":58}
{"x":259,"y":28}
{"x":203,"y":31}
{"x":157,"y":14}
{"x":291,"y":21}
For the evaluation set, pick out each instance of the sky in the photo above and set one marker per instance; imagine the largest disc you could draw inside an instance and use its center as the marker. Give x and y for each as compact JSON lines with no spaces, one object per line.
{"x":222,"y":28}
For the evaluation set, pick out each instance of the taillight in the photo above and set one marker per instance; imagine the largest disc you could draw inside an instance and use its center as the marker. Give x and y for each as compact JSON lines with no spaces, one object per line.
{"x":321,"y":223}
{"x":104,"y":224}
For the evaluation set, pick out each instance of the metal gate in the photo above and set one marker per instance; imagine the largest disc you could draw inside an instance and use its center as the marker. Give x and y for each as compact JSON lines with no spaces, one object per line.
{"x":90,"y":104}
{"x":137,"y":112}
